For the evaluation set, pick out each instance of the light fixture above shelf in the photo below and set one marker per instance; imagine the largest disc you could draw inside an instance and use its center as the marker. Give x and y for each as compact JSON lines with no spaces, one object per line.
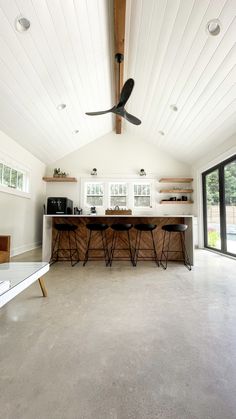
{"x":94,"y":172}
{"x":142,"y":172}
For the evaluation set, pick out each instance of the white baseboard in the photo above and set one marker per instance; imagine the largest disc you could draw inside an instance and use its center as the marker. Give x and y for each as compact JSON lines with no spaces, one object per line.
{"x":25,"y":248}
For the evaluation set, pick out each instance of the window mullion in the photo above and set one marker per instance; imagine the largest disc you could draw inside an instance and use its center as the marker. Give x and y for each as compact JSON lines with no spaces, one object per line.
{"x":222,"y":208}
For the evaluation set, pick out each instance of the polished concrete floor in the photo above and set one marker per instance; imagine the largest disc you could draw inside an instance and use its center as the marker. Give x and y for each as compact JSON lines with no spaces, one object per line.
{"x":120,"y":343}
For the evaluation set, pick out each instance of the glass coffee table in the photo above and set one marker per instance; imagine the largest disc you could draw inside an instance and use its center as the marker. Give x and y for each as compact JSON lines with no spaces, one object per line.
{"x":21,"y":275}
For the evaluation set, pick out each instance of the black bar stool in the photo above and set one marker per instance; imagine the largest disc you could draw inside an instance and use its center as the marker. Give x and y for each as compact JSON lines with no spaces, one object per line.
{"x":97,"y":228}
{"x":65,"y":231}
{"x":174,"y":228}
{"x":117,"y":229}
{"x":140,"y":229}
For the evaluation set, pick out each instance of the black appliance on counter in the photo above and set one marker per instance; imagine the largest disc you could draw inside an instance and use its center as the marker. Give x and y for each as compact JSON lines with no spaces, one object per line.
{"x":59,"y":206}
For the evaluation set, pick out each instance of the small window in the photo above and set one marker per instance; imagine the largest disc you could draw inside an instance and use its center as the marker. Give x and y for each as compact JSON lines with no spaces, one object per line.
{"x":12,"y":178}
{"x":94,"y":194}
{"x":1,"y":172}
{"x":118,"y":194}
{"x":6,"y":175}
{"x":20,"y":179}
{"x":142,"y":195}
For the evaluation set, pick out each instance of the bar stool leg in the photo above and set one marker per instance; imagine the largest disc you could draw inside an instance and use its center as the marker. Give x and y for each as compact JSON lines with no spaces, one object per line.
{"x":76,"y":247}
{"x":130,"y":249}
{"x":185,"y":254}
{"x":107,"y":249}
{"x":58,"y":247}
{"x":162,"y":250}
{"x":87,"y":250}
{"x":165,"y":252}
{"x":75,"y":251}
{"x":68,"y":234}
{"x":104,"y":245}
{"x":52,"y":260}
{"x":137,"y":247}
{"x":113,"y":246}
{"x":154,"y":249}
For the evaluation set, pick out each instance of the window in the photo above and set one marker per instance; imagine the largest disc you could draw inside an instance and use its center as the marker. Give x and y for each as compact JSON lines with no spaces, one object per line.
{"x":12,"y":178}
{"x":132,"y":193}
{"x":94,"y":194}
{"x":219,"y":207}
{"x":118,"y":194}
{"x":142,"y":195}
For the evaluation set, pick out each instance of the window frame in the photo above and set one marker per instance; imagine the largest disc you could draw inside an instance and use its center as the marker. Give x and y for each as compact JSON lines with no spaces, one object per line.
{"x":223,"y":231}
{"x":85,"y":195}
{"x":143,"y":182}
{"x":118,"y":195}
{"x":8,"y":188}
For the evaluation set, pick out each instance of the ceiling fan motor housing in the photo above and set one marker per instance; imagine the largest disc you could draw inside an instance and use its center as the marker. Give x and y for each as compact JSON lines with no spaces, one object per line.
{"x":119,"y":57}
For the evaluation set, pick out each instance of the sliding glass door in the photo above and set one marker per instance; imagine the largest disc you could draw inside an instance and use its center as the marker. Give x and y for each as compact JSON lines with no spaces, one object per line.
{"x":230,"y":205}
{"x":219,"y":207}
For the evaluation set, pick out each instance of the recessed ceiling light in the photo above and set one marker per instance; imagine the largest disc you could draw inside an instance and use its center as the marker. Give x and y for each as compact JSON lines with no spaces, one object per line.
{"x":161,"y":132}
{"x":75,"y":131}
{"x":61,"y":106}
{"x":174,"y":108}
{"x":213,"y":27}
{"x":22,"y":24}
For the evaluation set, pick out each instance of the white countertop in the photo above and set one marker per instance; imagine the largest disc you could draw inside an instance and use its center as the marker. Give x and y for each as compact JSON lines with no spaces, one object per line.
{"x":120,"y":215}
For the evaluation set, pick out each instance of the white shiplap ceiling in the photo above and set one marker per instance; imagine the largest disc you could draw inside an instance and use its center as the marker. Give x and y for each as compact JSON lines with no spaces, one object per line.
{"x":175,"y":61}
{"x":67,"y":57}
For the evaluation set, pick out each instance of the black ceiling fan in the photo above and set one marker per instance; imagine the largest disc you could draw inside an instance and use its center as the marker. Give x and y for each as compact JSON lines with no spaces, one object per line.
{"x":126,"y":91}
{"x":119,"y":109}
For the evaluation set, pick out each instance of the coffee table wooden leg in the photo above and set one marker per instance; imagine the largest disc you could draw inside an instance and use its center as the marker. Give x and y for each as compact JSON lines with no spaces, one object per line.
{"x":43,"y":287}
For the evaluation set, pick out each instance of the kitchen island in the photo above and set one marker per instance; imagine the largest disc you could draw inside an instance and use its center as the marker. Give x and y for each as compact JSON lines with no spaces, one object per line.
{"x":160,"y":220}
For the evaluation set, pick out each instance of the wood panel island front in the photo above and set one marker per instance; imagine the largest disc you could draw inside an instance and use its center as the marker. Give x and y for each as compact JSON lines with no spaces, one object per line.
{"x":160,"y":220}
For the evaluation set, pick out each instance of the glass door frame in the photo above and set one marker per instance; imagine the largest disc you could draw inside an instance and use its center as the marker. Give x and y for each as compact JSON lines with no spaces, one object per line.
{"x":223,"y":231}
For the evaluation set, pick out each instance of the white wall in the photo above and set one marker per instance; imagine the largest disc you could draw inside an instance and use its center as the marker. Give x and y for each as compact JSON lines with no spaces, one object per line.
{"x":219,"y":154}
{"x":118,"y":155}
{"x":19,"y":216}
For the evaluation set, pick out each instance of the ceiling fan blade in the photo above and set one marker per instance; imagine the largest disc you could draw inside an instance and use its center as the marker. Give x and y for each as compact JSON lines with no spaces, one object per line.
{"x":100,"y":112}
{"x":126,"y":92}
{"x":131,"y":118}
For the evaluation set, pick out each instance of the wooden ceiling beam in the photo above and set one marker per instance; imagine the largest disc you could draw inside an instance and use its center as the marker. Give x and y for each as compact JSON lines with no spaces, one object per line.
{"x":119,"y":29}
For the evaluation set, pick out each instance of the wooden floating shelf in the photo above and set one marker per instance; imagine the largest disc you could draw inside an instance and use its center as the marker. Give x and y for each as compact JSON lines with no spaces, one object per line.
{"x":176,"y":191}
{"x":176,"y":202}
{"x":175,"y":180}
{"x":59,"y":179}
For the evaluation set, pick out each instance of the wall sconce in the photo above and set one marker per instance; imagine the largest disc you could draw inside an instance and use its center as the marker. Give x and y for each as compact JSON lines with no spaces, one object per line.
{"x":94,"y":172}
{"x":142,"y":172}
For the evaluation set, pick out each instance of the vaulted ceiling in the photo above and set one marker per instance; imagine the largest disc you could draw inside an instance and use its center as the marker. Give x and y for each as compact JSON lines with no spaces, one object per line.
{"x":67,"y":56}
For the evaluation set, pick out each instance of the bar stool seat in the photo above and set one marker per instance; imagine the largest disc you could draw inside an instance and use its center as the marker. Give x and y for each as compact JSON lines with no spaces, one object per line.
{"x":147,"y":227}
{"x":117,"y":229}
{"x":66,"y":227}
{"x":57,"y":249}
{"x":174,"y":228}
{"x":93,"y":228}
